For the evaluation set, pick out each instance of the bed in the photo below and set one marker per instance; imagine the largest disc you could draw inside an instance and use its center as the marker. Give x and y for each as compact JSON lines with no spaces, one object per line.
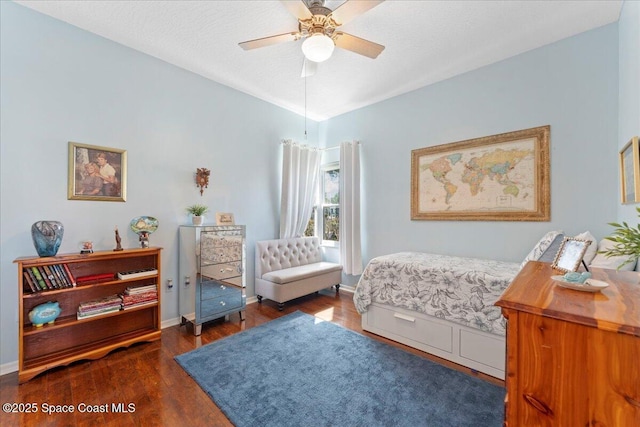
{"x":439,"y":304}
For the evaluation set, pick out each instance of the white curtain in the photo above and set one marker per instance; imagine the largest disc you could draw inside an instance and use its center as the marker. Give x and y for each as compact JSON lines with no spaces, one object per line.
{"x":300,"y":171}
{"x":350,"y":250}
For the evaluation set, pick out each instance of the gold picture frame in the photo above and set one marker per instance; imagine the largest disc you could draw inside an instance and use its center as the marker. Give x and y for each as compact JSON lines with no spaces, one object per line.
{"x":224,"y":218}
{"x":502,"y":177}
{"x":97,"y":173}
{"x":630,"y":172}
{"x":570,"y":254}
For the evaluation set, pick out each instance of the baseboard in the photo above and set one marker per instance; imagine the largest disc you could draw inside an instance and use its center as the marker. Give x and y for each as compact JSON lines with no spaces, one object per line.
{"x":8,"y":368}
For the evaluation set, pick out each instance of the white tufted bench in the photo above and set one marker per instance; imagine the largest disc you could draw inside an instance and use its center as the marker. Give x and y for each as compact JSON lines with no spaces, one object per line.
{"x":291,"y":268}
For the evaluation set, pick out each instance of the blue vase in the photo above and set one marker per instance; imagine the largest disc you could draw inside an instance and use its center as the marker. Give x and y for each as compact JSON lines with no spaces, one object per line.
{"x":47,"y":236}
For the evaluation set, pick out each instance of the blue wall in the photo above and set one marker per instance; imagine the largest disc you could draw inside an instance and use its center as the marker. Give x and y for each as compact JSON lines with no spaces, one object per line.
{"x":62,"y":84}
{"x":571,"y":85}
{"x":629,"y":91}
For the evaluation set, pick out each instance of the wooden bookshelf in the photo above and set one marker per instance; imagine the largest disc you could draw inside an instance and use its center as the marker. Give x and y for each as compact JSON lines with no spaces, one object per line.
{"x":70,"y":339}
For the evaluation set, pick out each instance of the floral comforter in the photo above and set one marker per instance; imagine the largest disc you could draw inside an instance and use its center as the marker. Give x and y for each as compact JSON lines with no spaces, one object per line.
{"x":461,"y":290}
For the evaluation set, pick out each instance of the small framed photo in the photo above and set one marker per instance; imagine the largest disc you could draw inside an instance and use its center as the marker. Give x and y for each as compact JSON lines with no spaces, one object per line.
{"x":630,"y":172}
{"x":97,"y":173}
{"x":570,"y":254}
{"x":224,"y":218}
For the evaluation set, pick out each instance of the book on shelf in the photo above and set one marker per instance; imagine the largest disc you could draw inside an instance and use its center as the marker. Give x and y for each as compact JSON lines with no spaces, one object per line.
{"x":134,"y":274}
{"x":70,"y":276}
{"x":52,"y":278}
{"x":59,"y":272}
{"x":39,"y":279}
{"x":45,"y":277}
{"x":109,"y":301}
{"x":140,"y":304}
{"x":132,"y":290}
{"x":29,"y":282}
{"x":87,"y":315}
{"x":94,"y":278}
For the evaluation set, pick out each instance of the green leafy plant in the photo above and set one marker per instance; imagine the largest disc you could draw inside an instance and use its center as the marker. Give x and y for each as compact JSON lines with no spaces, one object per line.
{"x":627,"y":241}
{"x":197,"y":210}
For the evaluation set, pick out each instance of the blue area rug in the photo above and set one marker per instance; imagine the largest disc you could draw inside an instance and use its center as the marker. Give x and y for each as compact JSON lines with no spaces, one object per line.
{"x":300,"y":371}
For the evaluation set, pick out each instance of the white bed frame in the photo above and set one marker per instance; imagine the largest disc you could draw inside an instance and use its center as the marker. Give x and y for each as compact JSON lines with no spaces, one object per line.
{"x":470,"y":347}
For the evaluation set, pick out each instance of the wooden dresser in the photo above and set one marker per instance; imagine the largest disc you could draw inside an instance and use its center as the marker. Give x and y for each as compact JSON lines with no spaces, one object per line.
{"x":573,"y":357}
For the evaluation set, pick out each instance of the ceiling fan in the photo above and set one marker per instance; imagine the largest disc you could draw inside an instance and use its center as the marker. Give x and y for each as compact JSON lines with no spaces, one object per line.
{"x":317,"y":25}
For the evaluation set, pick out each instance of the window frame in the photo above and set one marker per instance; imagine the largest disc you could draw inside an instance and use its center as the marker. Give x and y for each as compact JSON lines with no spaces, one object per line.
{"x":320,"y":205}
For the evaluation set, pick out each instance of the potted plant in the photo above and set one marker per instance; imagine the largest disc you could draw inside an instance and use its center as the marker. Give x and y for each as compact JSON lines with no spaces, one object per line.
{"x":626,"y":241}
{"x":197,"y":211}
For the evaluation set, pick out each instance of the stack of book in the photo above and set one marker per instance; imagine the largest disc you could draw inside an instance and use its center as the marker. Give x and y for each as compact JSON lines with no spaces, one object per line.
{"x":99,"y":307}
{"x":48,"y":277}
{"x":139,"y":296}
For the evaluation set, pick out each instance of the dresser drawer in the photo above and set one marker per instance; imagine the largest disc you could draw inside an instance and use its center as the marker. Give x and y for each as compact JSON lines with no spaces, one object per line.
{"x":213,"y":289}
{"x":221,"y":304}
{"x":222,"y":271}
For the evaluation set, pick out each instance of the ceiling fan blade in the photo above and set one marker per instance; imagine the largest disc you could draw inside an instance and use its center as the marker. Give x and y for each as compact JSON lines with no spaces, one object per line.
{"x":308,"y":68}
{"x":268,"y":41}
{"x":297,"y":8}
{"x":358,"y":45}
{"x":351,"y":9}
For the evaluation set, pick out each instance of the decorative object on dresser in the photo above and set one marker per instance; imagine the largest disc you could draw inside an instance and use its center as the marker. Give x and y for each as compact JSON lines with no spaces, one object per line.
{"x":224,"y":218}
{"x":291,"y":268}
{"x":212,"y":273}
{"x":97,"y":173}
{"x":501,"y":177}
{"x":88,"y":327}
{"x":118,"y":241}
{"x":630,"y":172}
{"x":202,"y":179}
{"x":572,"y":357}
{"x":623,"y":244}
{"x":47,"y":237}
{"x":570,"y":254}
{"x":196,"y":212}
{"x":143,"y":226}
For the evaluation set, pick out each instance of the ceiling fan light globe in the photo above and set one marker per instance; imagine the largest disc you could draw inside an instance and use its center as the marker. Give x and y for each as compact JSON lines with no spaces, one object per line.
{"x":318,"y":47}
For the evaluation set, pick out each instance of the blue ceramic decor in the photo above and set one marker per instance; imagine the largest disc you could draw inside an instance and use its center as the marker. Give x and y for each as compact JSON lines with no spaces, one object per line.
{"x":47,"y":236}
{"x":44,"y":313}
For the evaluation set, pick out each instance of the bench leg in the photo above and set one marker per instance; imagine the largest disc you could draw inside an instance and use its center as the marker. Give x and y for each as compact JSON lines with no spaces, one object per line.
{"x":259,"y":299}
{"x":280,"y":306}
{"x":337,"y":288}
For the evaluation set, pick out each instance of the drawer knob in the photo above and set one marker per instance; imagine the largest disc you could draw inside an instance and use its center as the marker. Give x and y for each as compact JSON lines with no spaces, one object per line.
{"x":222,"y":303}
{"x":223,"y":287}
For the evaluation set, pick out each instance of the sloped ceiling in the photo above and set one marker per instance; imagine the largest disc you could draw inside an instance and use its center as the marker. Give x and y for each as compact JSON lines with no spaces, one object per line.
{"x":426,"y":42}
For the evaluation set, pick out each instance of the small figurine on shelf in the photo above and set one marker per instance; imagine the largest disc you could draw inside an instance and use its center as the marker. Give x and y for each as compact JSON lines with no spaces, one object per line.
{"x":144,"y":239}
{"x":86,"y":247}
{"x":118,"y":240}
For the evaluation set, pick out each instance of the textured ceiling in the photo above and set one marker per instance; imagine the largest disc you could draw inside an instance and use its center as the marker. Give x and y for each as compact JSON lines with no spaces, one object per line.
{"x":426,"y":42}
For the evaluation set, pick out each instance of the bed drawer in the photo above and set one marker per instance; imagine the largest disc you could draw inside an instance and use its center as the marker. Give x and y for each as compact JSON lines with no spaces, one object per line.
{"x":415,"y":328}
{"x":480,"y":348}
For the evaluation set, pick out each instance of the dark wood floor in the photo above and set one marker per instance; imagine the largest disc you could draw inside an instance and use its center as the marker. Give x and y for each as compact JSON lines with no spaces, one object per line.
{"x":147,"y":376}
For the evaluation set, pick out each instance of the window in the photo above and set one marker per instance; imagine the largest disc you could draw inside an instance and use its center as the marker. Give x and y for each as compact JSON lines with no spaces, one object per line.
{"x":325,"y":217}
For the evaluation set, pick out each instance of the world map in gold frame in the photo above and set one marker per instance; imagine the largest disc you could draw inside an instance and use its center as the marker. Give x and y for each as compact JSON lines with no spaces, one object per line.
{"x":502,"y":177}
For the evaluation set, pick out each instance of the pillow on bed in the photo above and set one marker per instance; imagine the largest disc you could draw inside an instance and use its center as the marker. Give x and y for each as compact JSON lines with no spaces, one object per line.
{"x":601,"y":261}
{"x":542,"y":246}
{"x":549,"y":255}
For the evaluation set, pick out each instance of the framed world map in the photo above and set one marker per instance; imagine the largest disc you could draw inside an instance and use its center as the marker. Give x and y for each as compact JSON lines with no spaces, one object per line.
{"x":501,"y":177}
